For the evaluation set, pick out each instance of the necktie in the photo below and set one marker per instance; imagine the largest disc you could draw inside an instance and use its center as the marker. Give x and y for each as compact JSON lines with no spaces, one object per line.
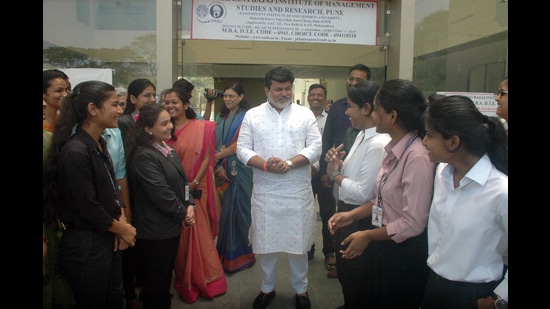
{"x":356,"y":143}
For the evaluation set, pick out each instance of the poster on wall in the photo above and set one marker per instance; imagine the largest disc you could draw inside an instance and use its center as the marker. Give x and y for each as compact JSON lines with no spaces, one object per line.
{"x":306,"y":21}
{"x":485,"y":101}
{"x":78,"y":75}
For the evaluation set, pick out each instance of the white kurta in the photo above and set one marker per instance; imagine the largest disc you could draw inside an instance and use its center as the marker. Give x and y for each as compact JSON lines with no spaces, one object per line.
{"x":283,"y":207}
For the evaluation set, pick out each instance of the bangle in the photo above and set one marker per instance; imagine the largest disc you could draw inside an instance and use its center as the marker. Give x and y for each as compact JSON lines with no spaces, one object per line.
{"x":195,"y":181}
{"x":265,"y":166}
{"x":44,"y":240}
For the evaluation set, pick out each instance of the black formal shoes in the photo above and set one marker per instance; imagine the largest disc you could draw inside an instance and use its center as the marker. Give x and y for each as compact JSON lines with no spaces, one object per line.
{"x":263,"y":299}
{"x":302,"y":302}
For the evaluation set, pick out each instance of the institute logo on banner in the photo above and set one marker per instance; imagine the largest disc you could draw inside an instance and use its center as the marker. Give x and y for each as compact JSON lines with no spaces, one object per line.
{"x":210,"y":13}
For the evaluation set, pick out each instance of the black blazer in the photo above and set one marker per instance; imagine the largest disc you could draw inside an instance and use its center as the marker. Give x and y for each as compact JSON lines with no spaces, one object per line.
{"x":125,"y":123}
{"x":157,"y":191}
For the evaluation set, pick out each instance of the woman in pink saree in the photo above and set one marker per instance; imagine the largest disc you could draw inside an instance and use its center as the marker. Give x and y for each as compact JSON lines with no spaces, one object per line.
{"x":198,"y":269}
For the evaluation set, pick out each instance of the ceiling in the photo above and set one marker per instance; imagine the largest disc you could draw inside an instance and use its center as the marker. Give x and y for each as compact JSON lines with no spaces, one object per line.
{"x":244,"y":59}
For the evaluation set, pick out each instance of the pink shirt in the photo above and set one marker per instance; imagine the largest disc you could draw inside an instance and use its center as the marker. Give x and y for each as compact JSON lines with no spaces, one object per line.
{"x":407,"y":190}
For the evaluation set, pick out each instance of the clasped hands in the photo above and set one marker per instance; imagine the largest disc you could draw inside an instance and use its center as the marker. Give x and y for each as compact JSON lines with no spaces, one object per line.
{"x":189,"y":220}
{"x":127,"y":238}
{"x":277,"y":165}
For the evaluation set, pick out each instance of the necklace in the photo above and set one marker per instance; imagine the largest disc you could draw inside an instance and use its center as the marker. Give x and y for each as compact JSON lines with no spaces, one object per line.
{"x":230,"y":124}
{"x":48,"y":120}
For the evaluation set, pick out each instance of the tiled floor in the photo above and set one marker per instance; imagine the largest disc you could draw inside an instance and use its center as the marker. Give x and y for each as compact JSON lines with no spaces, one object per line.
{"x":244,"y":286}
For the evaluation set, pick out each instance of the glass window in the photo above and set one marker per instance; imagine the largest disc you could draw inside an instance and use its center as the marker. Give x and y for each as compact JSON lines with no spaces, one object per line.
{"x":460,"y":45}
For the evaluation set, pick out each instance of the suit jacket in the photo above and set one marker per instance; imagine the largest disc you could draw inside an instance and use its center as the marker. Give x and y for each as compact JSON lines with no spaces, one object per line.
{"x":125,"y":123}
{"x":335,"y":128}
{"x":157,"y":191}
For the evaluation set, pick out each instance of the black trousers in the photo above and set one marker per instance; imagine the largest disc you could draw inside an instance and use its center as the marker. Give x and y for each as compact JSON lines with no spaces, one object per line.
{"x":92,"y":268}
{"x":387,"y":275}
{"x":443,"y":293}
{"x":327,"y":207}
{"x":129,"y":272}
{"x":399,"y":272}
{"x":157,"y":258}
{"x":352,"y":274}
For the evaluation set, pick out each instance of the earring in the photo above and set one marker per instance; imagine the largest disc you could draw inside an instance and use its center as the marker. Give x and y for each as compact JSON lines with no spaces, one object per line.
{"x":150,"y":133}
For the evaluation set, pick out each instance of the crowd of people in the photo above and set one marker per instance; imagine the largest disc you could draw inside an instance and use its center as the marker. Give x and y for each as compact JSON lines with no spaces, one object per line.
{"x":140,"y":190}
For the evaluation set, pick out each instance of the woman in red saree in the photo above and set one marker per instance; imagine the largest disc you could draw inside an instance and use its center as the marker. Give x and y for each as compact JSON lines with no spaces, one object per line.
{"x":198,"y":270}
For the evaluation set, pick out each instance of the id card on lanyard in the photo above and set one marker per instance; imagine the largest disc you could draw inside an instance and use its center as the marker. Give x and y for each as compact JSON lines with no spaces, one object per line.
{"x":377,"y":210}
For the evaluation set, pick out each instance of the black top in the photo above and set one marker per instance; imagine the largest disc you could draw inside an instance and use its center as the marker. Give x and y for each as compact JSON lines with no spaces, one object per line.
{"x":91,"y":196}
{"x":125,"y":122}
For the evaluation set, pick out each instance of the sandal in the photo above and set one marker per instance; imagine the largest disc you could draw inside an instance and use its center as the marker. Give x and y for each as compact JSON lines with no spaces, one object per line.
{"x":330,"y":262}
{"x":332,"y":274}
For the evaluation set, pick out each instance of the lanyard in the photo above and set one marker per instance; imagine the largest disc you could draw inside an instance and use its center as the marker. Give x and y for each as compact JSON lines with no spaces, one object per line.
{"x":385,"y":176}
{"x":107,"y":169}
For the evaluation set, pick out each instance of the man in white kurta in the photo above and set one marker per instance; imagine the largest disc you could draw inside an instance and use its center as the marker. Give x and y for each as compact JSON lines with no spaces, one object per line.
{"x":280,"y":140}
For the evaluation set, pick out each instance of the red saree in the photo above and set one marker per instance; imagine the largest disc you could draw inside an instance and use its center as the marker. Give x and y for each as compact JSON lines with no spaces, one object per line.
{"x":198,"y":270}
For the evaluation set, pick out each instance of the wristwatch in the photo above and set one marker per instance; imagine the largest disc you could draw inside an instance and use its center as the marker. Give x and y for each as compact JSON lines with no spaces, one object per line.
{"x":500,"y":303}
{"x":333,"y":174}
{"x":289,"y":163}
{"x":195,"y":181}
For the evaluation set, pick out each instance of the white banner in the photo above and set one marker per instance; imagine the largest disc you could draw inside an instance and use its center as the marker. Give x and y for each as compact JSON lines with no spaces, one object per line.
{"x":485,"y":101}
{"x":76,"y":76}
{"x":311,"y":21}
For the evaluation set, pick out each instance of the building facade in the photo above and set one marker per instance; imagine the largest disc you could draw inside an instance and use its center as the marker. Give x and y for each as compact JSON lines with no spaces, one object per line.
{"x":442,"y":45}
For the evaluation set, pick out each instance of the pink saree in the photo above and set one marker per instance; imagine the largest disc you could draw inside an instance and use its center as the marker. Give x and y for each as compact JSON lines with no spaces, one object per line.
{"x":198,"y":269}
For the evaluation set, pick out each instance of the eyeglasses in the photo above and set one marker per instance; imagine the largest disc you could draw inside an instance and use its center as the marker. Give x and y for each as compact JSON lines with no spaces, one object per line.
{"x":500,"y":93}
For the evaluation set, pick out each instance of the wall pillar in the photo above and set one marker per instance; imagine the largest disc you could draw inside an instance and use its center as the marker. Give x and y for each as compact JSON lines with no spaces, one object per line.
{"x":167,"y":44}
{"x":401,"y":47}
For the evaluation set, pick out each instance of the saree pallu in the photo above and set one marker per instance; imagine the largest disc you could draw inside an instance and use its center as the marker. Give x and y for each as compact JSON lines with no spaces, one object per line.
{"x":234,"y":248}
{"x":198,"y":270}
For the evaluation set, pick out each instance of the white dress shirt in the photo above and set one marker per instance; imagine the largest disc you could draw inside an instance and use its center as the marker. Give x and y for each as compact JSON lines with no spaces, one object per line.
{"x":361,"y":167}
{"x":468,"y":226}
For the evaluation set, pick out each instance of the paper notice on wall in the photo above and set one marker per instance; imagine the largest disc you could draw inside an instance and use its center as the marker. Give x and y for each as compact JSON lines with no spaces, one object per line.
{"x":485,"y":101}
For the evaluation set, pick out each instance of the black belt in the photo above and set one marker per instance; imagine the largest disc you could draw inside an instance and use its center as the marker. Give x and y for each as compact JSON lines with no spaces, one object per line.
{"x":345,"y":207}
